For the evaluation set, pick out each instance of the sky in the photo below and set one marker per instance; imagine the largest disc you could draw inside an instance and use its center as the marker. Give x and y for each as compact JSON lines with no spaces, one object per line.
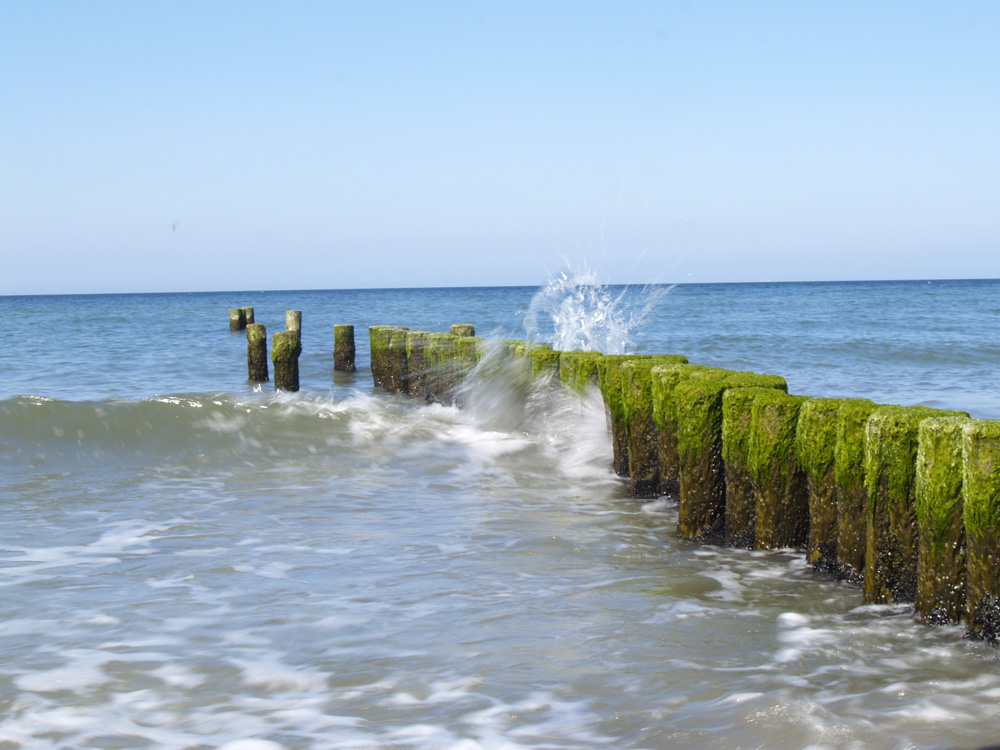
{"x":195,"y":146}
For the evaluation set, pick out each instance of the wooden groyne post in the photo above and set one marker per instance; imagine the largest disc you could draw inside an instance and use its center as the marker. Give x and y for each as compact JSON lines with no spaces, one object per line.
{"x":981,"y":517}
{"x":237,"y":319}
{"x":286,"y":347}
{"x":257,"y":352}
{"x":343,"y":348}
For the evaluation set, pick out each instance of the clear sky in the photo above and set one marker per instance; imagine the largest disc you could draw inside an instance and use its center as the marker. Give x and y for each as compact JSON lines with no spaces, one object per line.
{"x":198,"y":145}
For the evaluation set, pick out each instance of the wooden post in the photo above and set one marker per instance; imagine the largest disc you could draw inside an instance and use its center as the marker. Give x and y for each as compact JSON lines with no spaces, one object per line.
{"x":343,"y":348}
{"x":285,"y":351}
{"x":237,"y":319}
{"x":257,"y":352}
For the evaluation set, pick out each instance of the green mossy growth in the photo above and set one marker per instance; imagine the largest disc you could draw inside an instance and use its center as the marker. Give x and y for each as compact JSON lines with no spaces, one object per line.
{"x":544,"y":364}
{"x":463,"y":329}
{"x":890,"y":472}
{"x":378,"y":339}
{"x":248,"y":315}
{"x":257,"y":353}
{"x":237,"y":319}
{"x":578,"y":370}
{"x":416,"y":365}
{"x":700,"y":468}
{"x":285,"y":351}
{"x":343,"y":347}
{"x":981,"y":515}
{"x":643,"y":436}
{"x":852,"y":496}
{"x":940,"y":594}
{"x":779,"y":483}
{"x":610,"y":381}
{"x":395,"y":375}
{"x":440,"y":353}
{"x":741,"y":500}
{"x":815,"y":446}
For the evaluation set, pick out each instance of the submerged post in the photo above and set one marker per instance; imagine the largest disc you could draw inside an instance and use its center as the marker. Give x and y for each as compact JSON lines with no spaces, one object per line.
{"x":257,"y":352}
{"x":237,"y":319}
{"x":343,"y":348}
{"x":285,"y":351}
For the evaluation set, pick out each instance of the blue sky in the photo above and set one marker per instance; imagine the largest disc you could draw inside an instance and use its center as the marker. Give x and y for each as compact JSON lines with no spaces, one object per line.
{"x":184,"y":146}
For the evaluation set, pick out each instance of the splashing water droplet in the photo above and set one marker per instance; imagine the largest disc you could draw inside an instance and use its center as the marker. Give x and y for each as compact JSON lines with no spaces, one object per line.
{"x":580,"y":312}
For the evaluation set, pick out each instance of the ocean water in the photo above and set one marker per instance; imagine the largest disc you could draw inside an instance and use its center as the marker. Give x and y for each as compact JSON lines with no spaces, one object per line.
{"x":188,"y":560}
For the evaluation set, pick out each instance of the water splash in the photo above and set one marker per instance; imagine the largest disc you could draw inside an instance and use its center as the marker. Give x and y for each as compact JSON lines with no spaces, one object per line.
{"x":576,"y":311}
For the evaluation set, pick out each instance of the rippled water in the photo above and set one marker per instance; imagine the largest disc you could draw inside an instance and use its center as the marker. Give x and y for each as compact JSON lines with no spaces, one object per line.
{"x":186,"y":562}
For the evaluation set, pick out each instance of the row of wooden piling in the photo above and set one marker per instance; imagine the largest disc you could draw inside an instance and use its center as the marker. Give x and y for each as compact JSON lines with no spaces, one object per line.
{"x":904,"y":501}
{"x":286,"y":346}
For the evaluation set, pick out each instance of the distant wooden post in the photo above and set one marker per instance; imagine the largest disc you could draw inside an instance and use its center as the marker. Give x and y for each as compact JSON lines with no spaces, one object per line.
{"x":293,"y":321}
{"x":285,"y":351}
{"x":237,"y":319}
{"x":257,"y":352}
{"x":343,"y":348}
{"x":463,"y":329}
{"x":248,"y":315}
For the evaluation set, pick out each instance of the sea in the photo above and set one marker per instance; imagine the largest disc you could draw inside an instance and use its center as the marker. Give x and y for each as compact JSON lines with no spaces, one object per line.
{"x":191,"y":560}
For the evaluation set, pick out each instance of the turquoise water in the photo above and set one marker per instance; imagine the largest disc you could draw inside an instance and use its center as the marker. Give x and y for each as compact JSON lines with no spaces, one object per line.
{"x":190,"y":561}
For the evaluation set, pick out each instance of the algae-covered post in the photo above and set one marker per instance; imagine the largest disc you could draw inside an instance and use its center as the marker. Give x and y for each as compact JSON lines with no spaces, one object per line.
{"x":779,"y":483}
{"x":852,"y":495}
{"x":741,"y":501}
{"x":815,"y":444}
{"x":699,"y":450}
{"x":285,"y":350}
{"x":293,"y":321}
{"x":981,"y":515}
{"x":578,"y":370}
{"x":463,"y":329}
{"x":343,"y":347}
{"x":890,"y":473}
{"x":257,"y":352}
{"x":941,"y":561}
{"x":416,"y":366}
{"x":248,"y":315}
{"x":237,"y":319}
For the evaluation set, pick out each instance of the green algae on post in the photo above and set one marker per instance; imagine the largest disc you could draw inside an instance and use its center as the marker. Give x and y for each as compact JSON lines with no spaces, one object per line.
{"x":463,"y":329}
{"x":940,"y":595}
{"x":779,"y":483}
{"x":237,"y":319}
{"x":890,"y":473}
{"x":644,"y":442}
{"x":699,"y":449}
{"x":379,"y":338}
{"x":815,"y":445}
{"x":741,"y":500}
{"x":440,"y":352}
{"x":257,"y":352}
{"x":610,"y":381}
{"x":248,"y":315}
{"x":981,"y":515}
{"x":285,"y":351}
{"x":395,"y":374}
{"x":852,"y":495}
{"x":416,"y":364}
{"x":343,"y":347}
{"x":578,"y":370}
{"x":544,"y":364}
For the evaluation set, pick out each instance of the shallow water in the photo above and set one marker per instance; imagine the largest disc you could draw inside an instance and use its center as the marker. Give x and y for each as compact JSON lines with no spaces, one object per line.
{"x":186,"y":562}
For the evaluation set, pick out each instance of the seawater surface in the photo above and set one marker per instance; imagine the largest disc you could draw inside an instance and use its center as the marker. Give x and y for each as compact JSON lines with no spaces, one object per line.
{"x":190,"y":561}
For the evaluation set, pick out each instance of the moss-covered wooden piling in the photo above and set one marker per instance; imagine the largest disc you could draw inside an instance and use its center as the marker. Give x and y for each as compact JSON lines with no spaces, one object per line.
{"x":248,"y":315}
{"x":416,"y":366}
{"x":293,"y":321}
{"x":578,"y":370}
{"x":643,"y":438}
{"x":343,"y":347}
{"x":440,"y":353}
{"x":463,"y":329}
{"x":609,"y":371}
{"x":379,"y":338}
{"x":890,"y":473}
{"x":257,"y":352}
{"x":852,"y":495}
{"x":815,"y":447}
{"x":286,"y":347}
{"x":940,"y":594}
{"x":237,"y":319}
{"x":981,"y":516}
{"x":741,"y":500}
{"x":779,"y":482}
